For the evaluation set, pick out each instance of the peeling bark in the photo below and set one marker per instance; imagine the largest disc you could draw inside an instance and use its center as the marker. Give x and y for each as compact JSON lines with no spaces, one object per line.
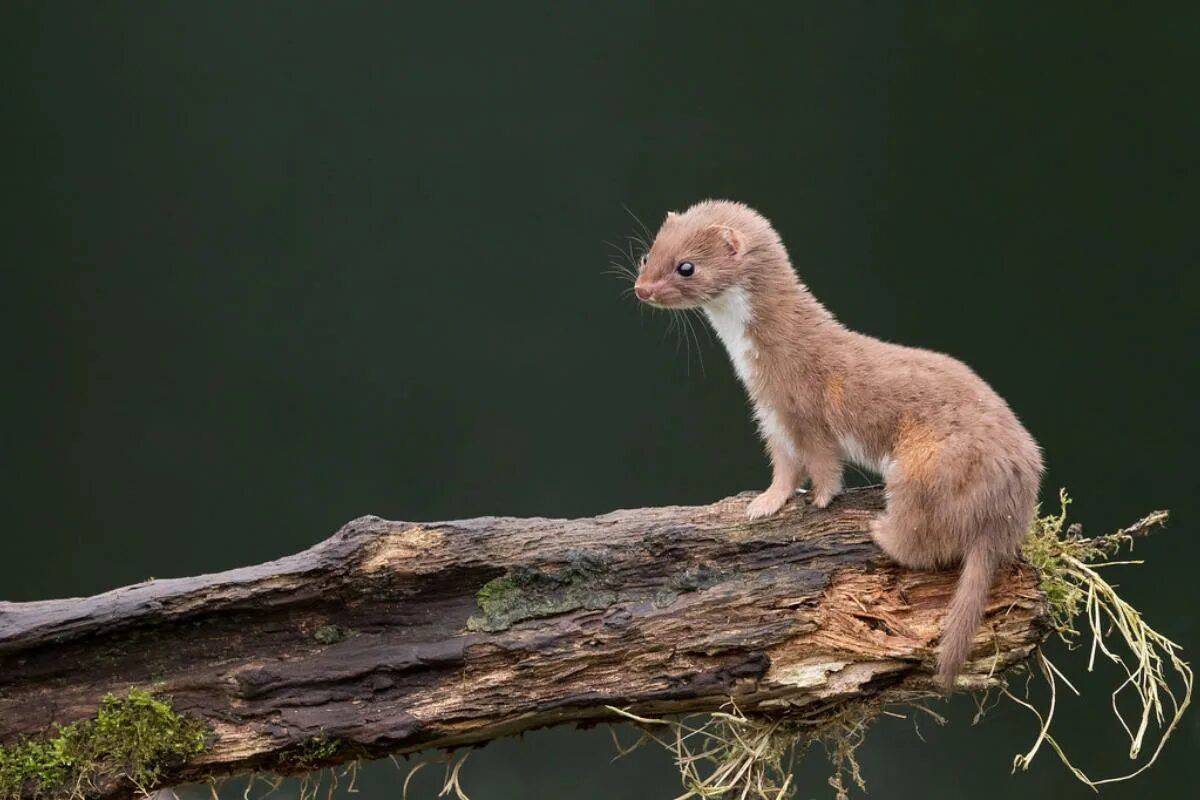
{"x":391,"y":637}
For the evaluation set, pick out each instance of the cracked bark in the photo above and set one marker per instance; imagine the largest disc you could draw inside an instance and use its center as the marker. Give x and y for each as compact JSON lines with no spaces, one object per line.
{"x":375,"y":638}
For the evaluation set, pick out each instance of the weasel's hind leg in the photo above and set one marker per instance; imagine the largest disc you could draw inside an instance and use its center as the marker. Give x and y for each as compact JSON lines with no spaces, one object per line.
{"x":926,"y":516}
{"x":899,"y":533}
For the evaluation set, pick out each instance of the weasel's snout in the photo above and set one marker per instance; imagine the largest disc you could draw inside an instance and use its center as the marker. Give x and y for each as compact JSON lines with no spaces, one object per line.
{"x":659,"y":293}
{"x":649,"y":291}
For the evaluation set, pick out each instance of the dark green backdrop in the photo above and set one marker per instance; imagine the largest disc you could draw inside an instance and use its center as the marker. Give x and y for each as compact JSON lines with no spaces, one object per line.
{"x":272,"y":266}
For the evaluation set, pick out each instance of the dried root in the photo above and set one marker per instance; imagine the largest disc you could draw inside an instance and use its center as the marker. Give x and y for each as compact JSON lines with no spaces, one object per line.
{"x":451,"y":777}
{"x":729,"y":754}
{"x":1157,"y":679}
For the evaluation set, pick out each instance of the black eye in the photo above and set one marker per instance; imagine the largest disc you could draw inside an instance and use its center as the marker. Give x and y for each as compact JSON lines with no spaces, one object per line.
{"x":686,"y":268}
{"x":642,"y":261}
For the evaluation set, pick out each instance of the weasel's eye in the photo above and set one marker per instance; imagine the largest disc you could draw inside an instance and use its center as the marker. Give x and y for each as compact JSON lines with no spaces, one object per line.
{"x":642,"y":261}
{"x":686,"y":268}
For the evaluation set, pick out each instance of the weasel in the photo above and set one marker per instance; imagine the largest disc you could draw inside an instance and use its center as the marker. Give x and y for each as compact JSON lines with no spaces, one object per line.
{"x":961,"y":473}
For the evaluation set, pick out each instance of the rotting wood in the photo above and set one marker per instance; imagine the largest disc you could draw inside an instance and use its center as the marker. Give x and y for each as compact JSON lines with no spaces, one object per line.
{"x":391,"y":637}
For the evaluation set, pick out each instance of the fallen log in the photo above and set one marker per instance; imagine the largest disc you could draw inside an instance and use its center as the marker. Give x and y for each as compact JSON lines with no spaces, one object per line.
{"x":392,"y":637}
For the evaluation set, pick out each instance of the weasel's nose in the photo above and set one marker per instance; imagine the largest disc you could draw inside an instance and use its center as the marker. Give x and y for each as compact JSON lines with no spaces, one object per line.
{"x":642,"y":291}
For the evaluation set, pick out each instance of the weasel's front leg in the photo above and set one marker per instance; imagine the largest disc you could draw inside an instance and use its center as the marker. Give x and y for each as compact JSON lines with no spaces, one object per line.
{"x":784,"y":480}
{"x":824,"y":464}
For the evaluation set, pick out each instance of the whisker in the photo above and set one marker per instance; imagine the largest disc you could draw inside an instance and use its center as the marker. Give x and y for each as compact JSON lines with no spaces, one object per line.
{"x":671,"y":330}
{"x":619,"y":249}
{"x":699,"y":355}
{"x":626,"y":253}
{"x":685,"y":326}
{"x":682,"y":339}
{"x":633,"y":259}
{"x":703,"y":324}
{"x":636,"y":219}
{"x":620,"y":270}
{"x":687,"y":318}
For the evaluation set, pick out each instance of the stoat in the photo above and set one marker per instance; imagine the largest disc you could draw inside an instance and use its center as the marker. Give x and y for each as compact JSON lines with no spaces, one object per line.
{"x":961,"y":472}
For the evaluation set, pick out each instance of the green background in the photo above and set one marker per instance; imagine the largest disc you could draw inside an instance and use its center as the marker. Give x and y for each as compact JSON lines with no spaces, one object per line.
{"x":268,"y":267}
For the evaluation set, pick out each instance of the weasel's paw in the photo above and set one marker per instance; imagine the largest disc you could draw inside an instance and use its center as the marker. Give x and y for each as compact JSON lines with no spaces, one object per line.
{"x":824,"y":497}
{"x":766,"y":504}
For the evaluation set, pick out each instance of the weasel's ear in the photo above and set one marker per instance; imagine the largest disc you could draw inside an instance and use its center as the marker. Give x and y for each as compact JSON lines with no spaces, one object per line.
{"x":731,"y":238}
{"x":672,"y":214}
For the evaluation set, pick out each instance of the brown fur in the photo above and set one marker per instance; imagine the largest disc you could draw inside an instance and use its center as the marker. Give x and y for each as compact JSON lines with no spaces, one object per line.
{"x":835,"y":394}
{"x":962,"y":474}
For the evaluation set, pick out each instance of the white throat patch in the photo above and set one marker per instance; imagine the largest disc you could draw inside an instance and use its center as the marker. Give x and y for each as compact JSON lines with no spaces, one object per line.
{"x":730,"y":314}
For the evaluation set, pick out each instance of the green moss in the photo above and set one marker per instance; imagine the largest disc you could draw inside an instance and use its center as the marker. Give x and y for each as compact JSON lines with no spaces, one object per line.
{"x":332,"y":634}
{"x":1058,"y":554}
{"x":1044,"y":549}
{"x":315,"y":751}
{"x":527,"y":593}
{"x":132,"y":738}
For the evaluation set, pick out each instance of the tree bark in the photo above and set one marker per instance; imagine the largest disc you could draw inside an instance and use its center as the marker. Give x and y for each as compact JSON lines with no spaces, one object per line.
{"x":391,"y":637}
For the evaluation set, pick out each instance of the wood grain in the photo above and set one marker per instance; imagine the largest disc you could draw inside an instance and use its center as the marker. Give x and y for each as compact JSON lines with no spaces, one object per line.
{"x":375,"y":638}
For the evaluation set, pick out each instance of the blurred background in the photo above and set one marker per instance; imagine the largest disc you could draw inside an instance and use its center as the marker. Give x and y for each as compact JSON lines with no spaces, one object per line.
{"x":271,"y":266}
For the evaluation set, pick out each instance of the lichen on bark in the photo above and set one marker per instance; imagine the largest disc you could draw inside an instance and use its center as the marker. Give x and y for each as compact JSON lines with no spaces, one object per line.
{"x":529,"y":593}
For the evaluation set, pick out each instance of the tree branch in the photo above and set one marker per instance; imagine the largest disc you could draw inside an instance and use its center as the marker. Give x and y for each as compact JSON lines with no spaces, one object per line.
{"x":391,"y":637}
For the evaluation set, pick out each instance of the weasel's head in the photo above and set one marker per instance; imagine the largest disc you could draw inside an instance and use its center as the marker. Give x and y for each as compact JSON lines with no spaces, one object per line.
{"x":698,"y":254}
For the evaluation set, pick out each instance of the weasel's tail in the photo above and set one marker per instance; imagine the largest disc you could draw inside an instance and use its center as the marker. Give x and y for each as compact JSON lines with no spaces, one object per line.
{"x":966,"y":611}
